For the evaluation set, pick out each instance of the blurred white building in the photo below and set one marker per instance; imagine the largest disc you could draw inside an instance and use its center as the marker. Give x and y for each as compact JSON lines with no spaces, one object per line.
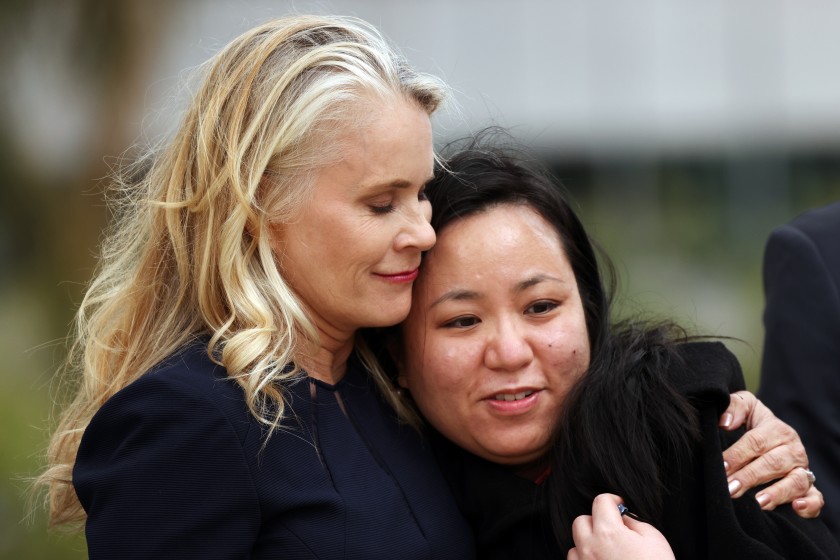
{"x":585,"y":77}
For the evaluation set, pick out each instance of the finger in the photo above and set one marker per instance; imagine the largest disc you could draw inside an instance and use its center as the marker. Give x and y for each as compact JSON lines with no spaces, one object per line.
{"x":635,"y":525}
{"x":769,"y":433}
{"x":793,"y":486}
{"x":746,"y":409}
{"x":572,"y":555}
{"x":581,"y":528}
{"x":778,"y":462}
{"x":741,"y":404}
{"x":605,"y":514}
{"x":810,"y":505}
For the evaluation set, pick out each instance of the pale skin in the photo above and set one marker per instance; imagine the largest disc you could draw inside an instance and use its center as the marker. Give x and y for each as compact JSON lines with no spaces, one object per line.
{"x":494,"y":315}
{"x":367,"y":220}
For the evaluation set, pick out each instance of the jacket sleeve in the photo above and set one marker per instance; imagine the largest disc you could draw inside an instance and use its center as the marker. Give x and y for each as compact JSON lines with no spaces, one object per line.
{"x":709,"y":373}
{"x":736,"y":528}
{"x":800,"y":375}
{"x":161,"y":474}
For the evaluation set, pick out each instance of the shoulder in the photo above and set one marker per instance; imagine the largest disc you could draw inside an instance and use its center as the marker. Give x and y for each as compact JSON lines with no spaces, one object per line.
{"x":813,"y":237}
{"x":164,"y":464}
{"x":706,"y":370}
{"x":187,"y":380}
{"x":185,"y":399}
{"x":820,"y":221}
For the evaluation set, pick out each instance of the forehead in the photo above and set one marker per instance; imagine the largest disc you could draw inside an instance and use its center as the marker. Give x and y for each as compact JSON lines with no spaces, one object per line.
{"x":393,"y":127}
{"x":504,"y":226}
{"x":356,"y":126}
{"x":505,"y":239}
{"x":391,"y":145}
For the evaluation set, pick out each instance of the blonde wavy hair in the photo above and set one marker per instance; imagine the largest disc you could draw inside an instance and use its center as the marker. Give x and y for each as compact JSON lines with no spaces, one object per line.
{"x":189,"y":253}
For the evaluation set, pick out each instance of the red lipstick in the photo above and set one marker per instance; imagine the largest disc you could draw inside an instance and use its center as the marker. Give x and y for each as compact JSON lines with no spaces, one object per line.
{"x":401,"y":277}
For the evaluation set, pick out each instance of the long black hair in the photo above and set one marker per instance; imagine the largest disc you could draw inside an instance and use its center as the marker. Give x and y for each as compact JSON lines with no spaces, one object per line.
{"x":622,"y":418}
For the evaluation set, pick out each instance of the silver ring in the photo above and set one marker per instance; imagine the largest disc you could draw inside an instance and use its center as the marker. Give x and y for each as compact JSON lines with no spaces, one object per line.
{"x":812,"y":478}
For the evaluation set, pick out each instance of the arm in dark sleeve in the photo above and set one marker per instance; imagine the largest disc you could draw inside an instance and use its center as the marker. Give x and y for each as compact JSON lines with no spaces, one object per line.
{"x":741,"y":529}
{"x":161,"y":474}
{"x":710,"y":372}
{"x":800,"y":375}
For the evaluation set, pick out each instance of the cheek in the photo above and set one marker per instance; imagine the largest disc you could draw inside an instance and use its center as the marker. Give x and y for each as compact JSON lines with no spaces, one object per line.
{"x":577,"y":359}
{"x":439,"y":381}
{"x":438,"y":371}
{"x":569,"y":358}
{"x":570,"y":341}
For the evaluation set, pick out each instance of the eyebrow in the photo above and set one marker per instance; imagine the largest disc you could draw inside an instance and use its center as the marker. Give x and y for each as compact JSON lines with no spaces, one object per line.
{"x":399,"y":183}
{"x":456,"y":295}
{"x":469,"y":295}
{"x":536,"y":279}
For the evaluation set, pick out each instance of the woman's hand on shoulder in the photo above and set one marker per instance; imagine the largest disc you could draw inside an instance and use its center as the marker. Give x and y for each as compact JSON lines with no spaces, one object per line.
{"x":770,"y":450}
{"x":607,"y":534}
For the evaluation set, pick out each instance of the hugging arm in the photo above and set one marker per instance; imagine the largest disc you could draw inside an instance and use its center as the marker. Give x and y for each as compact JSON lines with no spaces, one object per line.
{"x":770,"y":450}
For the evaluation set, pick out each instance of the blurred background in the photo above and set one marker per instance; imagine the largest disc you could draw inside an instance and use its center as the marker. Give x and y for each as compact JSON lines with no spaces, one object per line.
{"x":686,"y":131}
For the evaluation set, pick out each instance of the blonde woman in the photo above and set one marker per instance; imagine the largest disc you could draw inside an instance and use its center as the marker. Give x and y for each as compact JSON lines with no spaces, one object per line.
{"x":224,"y":409}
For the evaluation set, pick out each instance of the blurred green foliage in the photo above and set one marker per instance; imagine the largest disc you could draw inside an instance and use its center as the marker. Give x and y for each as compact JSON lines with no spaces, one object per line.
{"x":26,"y":374}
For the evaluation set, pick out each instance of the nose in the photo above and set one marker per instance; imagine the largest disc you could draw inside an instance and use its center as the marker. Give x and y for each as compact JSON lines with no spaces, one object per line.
{"x":508,"y":349}
{"x":417,"y":232}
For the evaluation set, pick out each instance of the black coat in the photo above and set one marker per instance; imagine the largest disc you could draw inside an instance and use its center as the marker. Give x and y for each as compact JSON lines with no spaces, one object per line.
{"x":509,"y":514}
{"x":800,"y":370}
{"x":175,"y":466}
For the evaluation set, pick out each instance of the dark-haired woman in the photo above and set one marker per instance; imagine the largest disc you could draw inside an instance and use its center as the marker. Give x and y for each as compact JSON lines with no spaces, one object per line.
{"x":509,"y":352}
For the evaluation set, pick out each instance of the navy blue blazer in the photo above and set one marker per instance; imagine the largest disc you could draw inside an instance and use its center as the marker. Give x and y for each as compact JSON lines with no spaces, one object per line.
{"x":800,"y":369}
{"x":175,"y":466}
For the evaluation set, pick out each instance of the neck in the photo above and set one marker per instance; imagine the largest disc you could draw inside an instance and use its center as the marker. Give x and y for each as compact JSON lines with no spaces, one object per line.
{"x":329,"y":364}
{"x":535,"y":471}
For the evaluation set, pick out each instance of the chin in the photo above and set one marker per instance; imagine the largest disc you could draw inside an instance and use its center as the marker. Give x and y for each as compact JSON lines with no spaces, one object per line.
{"x":520,"y":455}
{"x":387,"y":320}
{"x":514,"y":459}
{"x":392,"y":314}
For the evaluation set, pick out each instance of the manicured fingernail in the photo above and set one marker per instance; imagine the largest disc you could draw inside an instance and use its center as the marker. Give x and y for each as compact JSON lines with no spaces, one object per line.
{"x":727,"y":420}
{"x":762,"y":499}
{"x":734,"y":486}
{"x":726,"y":466}
{"x":800,"y":504}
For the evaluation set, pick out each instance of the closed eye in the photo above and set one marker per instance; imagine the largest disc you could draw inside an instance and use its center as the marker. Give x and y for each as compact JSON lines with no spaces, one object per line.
{"x":382,"y":209}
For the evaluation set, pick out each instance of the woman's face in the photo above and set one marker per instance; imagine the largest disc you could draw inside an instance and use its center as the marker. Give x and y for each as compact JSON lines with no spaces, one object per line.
{"x":353,"y":251}
{"x":496,"y":336}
